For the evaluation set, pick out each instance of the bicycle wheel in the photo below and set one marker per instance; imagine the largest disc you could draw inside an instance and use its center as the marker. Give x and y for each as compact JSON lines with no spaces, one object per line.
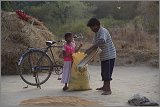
{"x":35,"y":63}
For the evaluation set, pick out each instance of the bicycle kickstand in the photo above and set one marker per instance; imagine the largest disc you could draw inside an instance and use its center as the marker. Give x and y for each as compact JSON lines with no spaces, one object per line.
{"x":37,"y":81}
{"x":38,"y":85}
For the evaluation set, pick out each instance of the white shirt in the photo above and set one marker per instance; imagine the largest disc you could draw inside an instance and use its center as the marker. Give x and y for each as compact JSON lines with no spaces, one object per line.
{"x":108,"y":48}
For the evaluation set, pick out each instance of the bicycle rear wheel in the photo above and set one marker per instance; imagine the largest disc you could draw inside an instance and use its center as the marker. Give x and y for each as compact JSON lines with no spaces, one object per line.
{"x":35,"y":63}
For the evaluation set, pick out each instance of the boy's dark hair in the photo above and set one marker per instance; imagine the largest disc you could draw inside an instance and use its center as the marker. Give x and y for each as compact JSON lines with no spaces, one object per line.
{"x":68,"y":34}
{"x":93,"y":21}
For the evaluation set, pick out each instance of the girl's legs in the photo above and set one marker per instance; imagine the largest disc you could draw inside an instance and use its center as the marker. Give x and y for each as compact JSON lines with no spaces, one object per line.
{"x":65,"y":87}
{"x":66,"y":74}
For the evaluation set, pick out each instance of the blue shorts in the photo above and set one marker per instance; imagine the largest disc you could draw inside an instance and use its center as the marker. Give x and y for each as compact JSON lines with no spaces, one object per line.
{"x":107,"y":69}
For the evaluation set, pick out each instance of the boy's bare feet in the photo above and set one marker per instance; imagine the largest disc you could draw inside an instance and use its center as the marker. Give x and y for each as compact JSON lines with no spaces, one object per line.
{"x":107,"y":93}
{"x":101,"y":88}
{"x":65,"y":88}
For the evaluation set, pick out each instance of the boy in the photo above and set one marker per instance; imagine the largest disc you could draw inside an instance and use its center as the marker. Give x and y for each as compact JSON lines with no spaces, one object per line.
{"x":103,"y":40}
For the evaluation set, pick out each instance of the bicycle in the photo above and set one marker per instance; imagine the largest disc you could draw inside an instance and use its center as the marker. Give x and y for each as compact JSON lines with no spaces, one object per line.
{"x":36,"y":65}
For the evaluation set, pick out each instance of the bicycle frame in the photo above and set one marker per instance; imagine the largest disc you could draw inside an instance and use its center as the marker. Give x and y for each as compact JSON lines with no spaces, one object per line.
{"x":45,"y":50}
{"x":49,"y":48}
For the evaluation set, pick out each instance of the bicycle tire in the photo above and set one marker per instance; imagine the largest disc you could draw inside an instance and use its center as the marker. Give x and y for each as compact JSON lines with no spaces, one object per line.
{"x":34,"y":62}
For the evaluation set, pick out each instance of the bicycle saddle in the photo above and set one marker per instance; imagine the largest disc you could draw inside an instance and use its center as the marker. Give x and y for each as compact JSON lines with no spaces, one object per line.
{"x":49,"y":43}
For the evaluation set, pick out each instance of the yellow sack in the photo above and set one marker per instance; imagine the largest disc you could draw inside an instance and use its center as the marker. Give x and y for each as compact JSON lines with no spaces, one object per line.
{"x":79,"y":78}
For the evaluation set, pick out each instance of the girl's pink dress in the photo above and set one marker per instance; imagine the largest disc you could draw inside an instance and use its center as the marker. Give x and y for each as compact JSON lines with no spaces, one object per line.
{"x":68,"y":48}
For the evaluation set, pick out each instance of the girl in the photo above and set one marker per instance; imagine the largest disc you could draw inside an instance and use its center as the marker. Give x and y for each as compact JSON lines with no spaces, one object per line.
{"x":68,"y":50}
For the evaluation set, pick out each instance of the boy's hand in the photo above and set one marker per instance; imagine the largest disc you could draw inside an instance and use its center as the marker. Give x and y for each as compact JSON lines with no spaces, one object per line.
{"x":88,"y":51}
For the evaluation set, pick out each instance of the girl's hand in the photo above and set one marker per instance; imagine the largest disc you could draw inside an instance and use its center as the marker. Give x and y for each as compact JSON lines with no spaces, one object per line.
{"x":69,"y":55}
{"x":80,"y":45}
{"x":79,"y":48}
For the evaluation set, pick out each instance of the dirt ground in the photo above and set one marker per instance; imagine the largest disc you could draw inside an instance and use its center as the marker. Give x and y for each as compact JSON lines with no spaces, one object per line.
{"x":127,"y":81}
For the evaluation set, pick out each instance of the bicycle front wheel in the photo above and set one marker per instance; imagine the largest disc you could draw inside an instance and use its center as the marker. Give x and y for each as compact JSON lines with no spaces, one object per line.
{"x":35,"y":64}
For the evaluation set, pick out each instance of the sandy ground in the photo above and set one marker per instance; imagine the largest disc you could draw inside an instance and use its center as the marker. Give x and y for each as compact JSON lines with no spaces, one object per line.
{"x":126,"y":82}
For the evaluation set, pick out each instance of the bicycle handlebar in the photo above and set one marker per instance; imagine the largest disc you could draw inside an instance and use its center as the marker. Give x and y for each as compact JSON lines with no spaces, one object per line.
{"x":78,"y":36}
{"x":60,"y":41}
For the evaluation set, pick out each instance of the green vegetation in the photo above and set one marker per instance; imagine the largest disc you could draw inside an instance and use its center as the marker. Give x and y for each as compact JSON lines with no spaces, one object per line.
{"x":62,"y":16}
{"x":72,"y":16}
{"x":110,"y":22}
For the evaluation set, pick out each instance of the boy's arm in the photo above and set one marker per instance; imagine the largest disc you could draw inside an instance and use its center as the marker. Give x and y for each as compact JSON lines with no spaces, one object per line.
{"x":100,"y":41}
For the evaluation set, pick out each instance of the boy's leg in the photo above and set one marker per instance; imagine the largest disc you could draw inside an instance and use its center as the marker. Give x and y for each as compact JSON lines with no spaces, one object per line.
{"x":107,"y":69}
{"x":107,"y":89}
{"x":101,"y":88}
{"x":102,"y":74}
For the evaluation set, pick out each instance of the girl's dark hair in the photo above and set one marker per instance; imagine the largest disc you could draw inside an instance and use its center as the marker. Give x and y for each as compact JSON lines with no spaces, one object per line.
{"x":93,"y":21}
{"x":68,"y":34}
